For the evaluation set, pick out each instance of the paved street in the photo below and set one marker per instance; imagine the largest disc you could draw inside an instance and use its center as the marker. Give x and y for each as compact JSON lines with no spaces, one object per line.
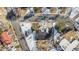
{"x":18,"y":34}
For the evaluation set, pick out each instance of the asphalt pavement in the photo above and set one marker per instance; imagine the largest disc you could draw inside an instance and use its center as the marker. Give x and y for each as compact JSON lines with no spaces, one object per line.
{"x":22,"y":42}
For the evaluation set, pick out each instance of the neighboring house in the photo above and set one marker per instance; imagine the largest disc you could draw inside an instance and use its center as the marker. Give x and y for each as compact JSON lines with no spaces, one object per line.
{"x":45,"y":10}
{"x":29,"y":13}
{"x":67,"y":46}
{"x":74,"y":14}
{"x":6,"y":38}
{"x":68,"y":12}
{"x":69,"y":41}
{"x":7,"y":41}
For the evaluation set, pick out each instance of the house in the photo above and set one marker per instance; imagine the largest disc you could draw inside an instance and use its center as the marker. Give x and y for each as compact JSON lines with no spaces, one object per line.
{"x":6,"y":38}
{"x":45,"y":10}
{"x":68,"y":12}
{"x":29,"y":35}
{"x":74,"y":14}
{"x":69,"y":41}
